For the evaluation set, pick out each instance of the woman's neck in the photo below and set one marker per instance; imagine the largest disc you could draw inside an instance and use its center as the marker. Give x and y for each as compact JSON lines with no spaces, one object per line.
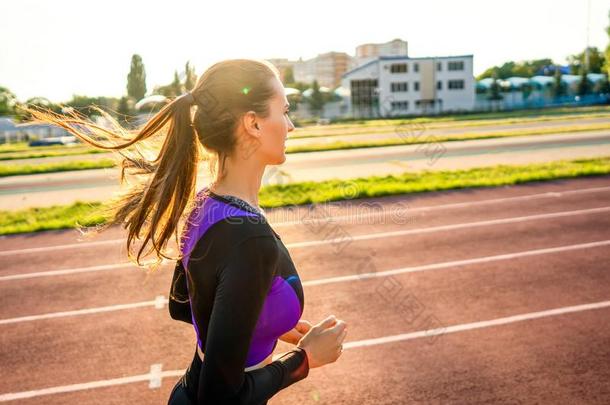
{"x":242,"y":181}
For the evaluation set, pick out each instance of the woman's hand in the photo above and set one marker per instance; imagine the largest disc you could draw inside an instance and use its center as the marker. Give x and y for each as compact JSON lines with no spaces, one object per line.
{"x":323,"y":344}
{"x":295,"y":334}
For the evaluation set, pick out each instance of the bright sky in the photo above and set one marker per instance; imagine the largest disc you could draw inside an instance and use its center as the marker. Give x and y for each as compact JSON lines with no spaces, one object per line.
{"x":58,"y":48}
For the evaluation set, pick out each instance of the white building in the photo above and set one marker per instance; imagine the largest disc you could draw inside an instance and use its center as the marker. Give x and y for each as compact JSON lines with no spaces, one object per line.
{"x":400,"y":85}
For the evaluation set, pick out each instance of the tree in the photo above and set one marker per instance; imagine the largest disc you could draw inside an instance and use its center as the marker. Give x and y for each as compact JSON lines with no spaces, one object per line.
{"x":519,"y":69}
{"x":494,"y":89}
{"x":41,"y":102}
{"x":577,"y":62}
{"x":289,"y":75}
{"x":607,"y":58}
{"x":190,"y":77}
{"x":136,"y":79}
{"x":125,"y":110}
{"x":558,"y":89}
{"x":316,"y":100}
{"x":7,"y":101}
{"x":176,"y":86}
{"x":584,"y":85}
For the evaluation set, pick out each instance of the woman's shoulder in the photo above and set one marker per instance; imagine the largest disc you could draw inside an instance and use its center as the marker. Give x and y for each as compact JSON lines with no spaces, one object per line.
{"x":215,"y":221}
{"x":237,"y":228}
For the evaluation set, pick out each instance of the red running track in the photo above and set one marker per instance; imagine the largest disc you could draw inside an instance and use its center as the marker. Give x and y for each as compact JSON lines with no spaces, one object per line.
{"x":491,"y":295}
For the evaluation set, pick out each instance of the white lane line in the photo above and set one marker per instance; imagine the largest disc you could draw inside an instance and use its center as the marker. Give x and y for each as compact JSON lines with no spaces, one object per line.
{"x":87,"y":311}
{"x":344,"y":239}
{"x":157,"y":375}
{"x":455,"y":263}
{"x":476,"y":325}
{"x":348,"y":238}
{"x":87,"y":386}
{"x":63,"y":272}
{"x":550,"y":194}
{"x":42,"y":249}
{"x":160,"y":301}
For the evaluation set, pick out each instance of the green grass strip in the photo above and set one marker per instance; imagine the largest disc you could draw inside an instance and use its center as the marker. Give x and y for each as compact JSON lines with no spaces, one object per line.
{"x":14,"y":170}
{"x":33,"y":154}
{"x":417,"y":182}
{"x":49,"y":218}
{"x":58,"y":217}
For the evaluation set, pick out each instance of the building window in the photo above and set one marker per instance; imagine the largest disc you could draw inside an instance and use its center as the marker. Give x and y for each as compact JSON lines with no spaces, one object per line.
{"x":416,"y":86}
{"x":364,"y":97}
{"x":399,"y":87}
{"x":439,"y":85}
{"x":398,"y":68}
{"x":455,"y":84}
{"x":439,"y":66}
{"x":400,"y":105}
{"x":459,"y":65}
{"x":416,"y":67}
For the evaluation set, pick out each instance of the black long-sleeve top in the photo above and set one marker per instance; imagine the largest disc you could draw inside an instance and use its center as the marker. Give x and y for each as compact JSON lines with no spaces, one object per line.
{"x":241,"y":292}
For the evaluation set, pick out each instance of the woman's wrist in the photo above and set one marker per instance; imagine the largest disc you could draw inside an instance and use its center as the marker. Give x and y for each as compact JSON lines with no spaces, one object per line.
{"x":305,"y":354}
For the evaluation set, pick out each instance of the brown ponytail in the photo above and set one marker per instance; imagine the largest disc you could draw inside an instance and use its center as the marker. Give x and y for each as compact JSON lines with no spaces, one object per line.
{"x":155,"y":203}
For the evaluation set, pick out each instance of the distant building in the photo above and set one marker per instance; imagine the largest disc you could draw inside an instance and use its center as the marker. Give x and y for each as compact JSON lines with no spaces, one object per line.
{"x":367,"y":52}
{"x":395,"y":47}
{"x":11,"y":131}
{"x":282,"y":65}
{"x":537,"y":92}
{"x":400,"y":85}
{"x":326,"y":68}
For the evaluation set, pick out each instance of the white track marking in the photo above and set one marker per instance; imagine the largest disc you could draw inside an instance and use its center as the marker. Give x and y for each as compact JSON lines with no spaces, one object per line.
{"x":63,"y":272}
{"x":155,"y":376}
{"x":446,"y":227}
{"x":158,"y":374}
{"x":455,"y":263}
{"x":346,"y":239}
{"x":159,"y":302}
{"x":550,"y":194}
{"x":86,"y":386}
{"x":77,"y":245}
{"x":86,"y":311}
{"x":476,"y":325}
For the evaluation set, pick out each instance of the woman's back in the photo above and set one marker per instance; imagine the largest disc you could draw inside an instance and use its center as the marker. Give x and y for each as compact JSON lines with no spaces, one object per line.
{"x":243,"y":292}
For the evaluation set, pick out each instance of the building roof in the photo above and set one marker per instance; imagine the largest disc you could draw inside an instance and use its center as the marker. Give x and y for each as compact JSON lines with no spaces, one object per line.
{"x":402,"y":57}
{"x":6,"y":124}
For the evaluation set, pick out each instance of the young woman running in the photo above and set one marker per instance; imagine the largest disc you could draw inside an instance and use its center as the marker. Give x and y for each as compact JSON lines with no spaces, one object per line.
{"x":234,"y":279}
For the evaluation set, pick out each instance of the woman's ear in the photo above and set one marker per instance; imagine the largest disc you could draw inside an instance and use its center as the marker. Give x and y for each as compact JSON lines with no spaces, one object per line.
{"x":250,"y":124}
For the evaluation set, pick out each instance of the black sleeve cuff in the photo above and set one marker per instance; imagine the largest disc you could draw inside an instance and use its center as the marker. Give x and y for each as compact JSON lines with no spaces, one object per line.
{"x":296,"y":364}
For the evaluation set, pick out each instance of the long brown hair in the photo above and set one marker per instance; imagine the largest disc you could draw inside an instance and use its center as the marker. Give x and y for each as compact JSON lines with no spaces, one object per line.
{"x":152,"y":207}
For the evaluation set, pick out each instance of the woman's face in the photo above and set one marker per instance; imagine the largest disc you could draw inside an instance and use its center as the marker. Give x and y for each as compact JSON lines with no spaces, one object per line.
{"x":274,"y":129}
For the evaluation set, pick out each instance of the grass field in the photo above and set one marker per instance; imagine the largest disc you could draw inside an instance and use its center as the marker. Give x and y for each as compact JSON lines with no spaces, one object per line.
{"x":87,"y":214}
{"x":7,"y":169}
{"x":24,"y":169}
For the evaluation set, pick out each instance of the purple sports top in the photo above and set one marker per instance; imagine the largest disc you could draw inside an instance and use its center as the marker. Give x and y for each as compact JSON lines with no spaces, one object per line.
{"x":238,"y":286}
